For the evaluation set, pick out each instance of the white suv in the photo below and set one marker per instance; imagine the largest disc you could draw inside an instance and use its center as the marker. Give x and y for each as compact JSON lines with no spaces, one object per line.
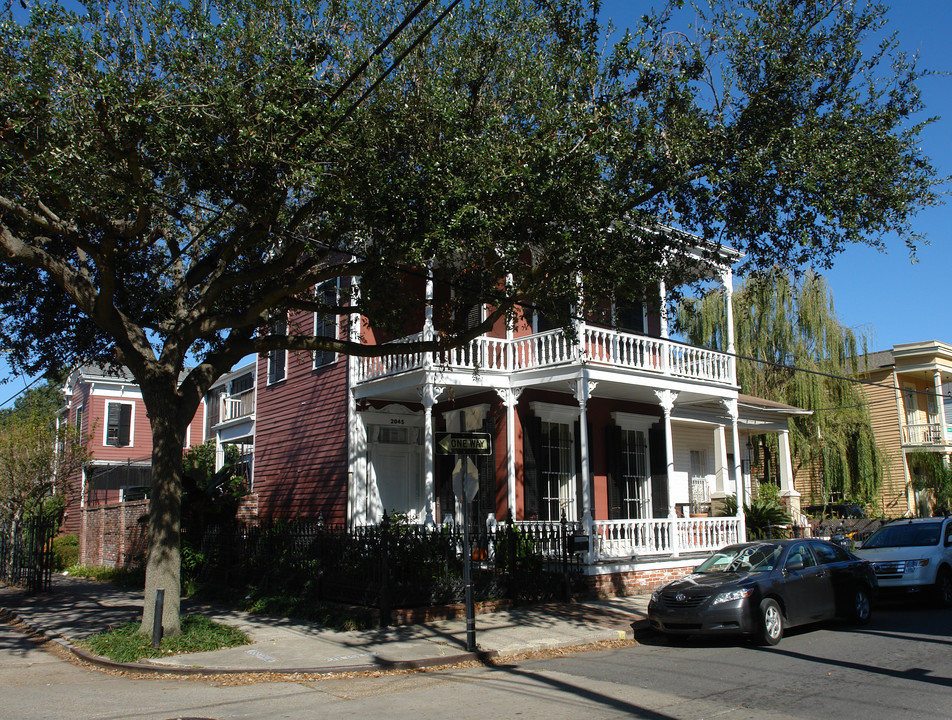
{"x":913,"y":556}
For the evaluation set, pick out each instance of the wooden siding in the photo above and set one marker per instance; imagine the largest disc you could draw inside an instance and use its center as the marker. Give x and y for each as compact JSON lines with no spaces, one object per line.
{"x":301,"y":441}
{"x":887,"y":428}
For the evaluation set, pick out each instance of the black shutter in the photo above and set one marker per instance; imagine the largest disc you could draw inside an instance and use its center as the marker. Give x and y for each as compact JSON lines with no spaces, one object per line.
{"x":613,"y":466}
{"x":125,"y":424}
{"x":659,"y":472}
{"x":531,"y":449}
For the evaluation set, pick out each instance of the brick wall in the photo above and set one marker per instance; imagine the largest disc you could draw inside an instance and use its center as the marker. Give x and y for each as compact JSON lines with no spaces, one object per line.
{"x":633,"y":582}
{"x":112,"y":535}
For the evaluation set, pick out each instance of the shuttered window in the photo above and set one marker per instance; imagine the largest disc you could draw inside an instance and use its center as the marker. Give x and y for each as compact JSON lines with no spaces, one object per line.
{"x":118,"y":424}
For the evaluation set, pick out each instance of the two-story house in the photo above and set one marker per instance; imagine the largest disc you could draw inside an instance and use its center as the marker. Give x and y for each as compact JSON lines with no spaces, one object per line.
{"x":908,"y":393}
{"x":631,"y":436}
{"x":105,"y":406}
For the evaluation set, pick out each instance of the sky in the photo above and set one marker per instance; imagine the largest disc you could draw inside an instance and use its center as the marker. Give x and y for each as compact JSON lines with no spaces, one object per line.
{"x":882,"y":294}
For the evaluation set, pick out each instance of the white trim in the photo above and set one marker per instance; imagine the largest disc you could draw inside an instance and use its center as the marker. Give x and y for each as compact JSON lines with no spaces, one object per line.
{"x":630,"y":421}
{"x":550,"y":412}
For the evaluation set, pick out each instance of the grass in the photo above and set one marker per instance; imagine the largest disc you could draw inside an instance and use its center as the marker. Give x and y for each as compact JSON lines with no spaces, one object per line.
{"x":118,"y":576}
{"x":199,"y":634}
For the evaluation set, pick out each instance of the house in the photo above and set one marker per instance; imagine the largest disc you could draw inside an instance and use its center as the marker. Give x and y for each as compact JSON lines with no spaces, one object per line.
{"x":908,"y":390}
{"x":109,"y":496}
{"x":631,"y":436}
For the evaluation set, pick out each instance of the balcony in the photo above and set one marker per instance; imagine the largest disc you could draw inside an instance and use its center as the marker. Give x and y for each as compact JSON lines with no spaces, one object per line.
{"x":603,"y":347}
{"x":922,"y":434}
{"x":238,"y":406}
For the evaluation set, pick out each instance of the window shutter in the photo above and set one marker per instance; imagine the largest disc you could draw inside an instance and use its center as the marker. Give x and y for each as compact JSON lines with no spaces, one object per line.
{"x":613,"y":451}
{"x":531,"y":446}
{"x":659,"y":472}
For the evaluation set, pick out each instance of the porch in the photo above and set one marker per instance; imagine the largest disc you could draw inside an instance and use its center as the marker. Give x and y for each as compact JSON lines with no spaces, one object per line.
{"x":612,"y":349}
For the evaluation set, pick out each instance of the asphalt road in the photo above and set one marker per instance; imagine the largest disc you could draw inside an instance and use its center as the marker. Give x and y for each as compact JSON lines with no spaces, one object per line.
{"x":899,"y":666}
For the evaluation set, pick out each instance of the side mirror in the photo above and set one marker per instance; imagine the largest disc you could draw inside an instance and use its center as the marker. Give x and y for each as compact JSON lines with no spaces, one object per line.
{"x":794,"y":565}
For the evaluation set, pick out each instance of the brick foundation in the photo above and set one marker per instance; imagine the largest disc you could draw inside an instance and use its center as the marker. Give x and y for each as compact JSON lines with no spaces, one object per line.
{"x":633,"y":582}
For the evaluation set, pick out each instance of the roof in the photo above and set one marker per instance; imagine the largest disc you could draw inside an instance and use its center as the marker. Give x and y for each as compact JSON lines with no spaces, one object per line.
{"x":752,"y":402}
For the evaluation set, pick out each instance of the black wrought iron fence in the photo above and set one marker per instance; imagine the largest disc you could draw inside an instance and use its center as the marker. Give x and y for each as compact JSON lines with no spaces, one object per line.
{"x":389,"y":565}
{"x":26,"y":553}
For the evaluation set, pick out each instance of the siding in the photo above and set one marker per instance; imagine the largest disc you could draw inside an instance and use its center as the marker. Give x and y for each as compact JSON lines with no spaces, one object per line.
{"x":301,"y":441}
{"x":887,"y":429}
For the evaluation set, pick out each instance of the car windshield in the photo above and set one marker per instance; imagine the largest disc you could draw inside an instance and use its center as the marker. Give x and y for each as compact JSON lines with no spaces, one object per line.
{"x":745,"y":558}
{"x":905,"y":535}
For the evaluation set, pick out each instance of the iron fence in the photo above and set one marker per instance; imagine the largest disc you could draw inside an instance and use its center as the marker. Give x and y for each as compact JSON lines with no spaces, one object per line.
{"x":389,"y":565}
{"x":26,"y":553}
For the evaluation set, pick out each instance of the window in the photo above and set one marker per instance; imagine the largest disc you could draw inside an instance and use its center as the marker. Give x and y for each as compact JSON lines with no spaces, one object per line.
{"x":629,"y":316}
{"x":325,"y":324}
{"x":118,"y":424}
{"x":557,"y":491}
{"x":699,"y":487}
{"x":633,"y":490}
{"x":278,"y":359}
{"x":80,"y":413}
{"x":829,"y":553}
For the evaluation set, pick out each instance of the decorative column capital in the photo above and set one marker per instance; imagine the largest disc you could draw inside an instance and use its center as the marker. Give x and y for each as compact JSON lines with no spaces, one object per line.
{"x":429,"y":394}
{"x":666,"y":398}
{"x":509,"y":396}
{"x":582,"y":389}
{"x":730,"y":405}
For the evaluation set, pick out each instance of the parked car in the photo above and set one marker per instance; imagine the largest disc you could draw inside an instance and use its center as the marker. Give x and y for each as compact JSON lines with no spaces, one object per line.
{"x":759,"y":589}
{"x":913,"y":557}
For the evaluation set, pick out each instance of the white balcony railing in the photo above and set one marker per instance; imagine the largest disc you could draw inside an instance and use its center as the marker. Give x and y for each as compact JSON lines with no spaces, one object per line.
{"x":238,"y":406}
{"x":549,"y":349}
{"x":618,"y":539}
{"x":922,"y":434}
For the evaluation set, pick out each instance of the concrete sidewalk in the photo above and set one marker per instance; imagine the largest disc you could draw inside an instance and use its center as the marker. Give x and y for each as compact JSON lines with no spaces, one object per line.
{"x":77,"y":608}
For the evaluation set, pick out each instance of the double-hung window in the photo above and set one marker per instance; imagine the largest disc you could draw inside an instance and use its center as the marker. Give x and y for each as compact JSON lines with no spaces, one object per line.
{"x":278,"y":359}
{"x":325,"y":322}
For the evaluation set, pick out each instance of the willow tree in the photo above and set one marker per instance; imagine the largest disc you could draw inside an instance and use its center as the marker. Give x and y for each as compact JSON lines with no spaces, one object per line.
{"x":791,"y":348}
{"x":177,"y":175}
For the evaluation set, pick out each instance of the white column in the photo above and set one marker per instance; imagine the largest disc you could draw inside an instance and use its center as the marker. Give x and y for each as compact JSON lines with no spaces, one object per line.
{"x":788,"y":493}
{"x":940,"y":407}
{"x":666,"y":398}
{"x":428,"y":394}
{"x":509,"y":397}
{"x":731,"y":407}
{"x":723,"y":470}
{"x":582,"y":390}
{"x":727,"y":278}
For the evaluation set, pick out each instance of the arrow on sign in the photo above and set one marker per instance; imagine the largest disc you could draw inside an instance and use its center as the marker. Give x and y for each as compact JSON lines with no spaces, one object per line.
{"x":465,"y":443}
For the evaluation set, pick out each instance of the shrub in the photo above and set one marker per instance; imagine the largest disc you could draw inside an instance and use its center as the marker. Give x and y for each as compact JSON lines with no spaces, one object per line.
{"x":65,"y":551}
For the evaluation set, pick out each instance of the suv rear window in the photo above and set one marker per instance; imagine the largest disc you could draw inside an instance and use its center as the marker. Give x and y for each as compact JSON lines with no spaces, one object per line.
{"x":906,"y":535}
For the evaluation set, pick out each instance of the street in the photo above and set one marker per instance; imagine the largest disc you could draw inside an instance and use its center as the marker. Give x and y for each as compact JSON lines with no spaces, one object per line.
{"x":900,"y":665}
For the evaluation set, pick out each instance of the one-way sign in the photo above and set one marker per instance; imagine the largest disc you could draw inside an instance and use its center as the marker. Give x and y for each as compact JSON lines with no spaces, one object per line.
{"x":464,"y":443}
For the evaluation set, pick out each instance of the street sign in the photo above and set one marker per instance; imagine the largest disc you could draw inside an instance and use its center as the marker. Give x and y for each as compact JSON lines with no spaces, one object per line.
{"x":464,"y":443}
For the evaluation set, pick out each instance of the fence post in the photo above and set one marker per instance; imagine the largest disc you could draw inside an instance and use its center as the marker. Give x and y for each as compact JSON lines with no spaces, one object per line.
{"x":566,"y":586}
{"x":385,"y":618}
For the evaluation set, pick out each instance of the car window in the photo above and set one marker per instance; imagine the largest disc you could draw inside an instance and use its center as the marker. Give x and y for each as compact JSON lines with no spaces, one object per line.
{"x":905,"y":535}
{"x":828,"y":553}
{"x":801,"y":552}
{"x":742,"y":558}
{"x":948,"y":534}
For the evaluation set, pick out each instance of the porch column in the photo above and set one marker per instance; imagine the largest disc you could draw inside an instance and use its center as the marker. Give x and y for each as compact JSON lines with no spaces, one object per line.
{"x":666,"y":399}
{"x":727,"y":279}
{"x":582,"y":390}
{"x":788,"y":492}
{"x":940,"y":407}
{"x":428,"y":394}
{"x":722,"y":474}
{"x":509,"y":397}
{"x":664,"y":309}
{"x":731,"y":406}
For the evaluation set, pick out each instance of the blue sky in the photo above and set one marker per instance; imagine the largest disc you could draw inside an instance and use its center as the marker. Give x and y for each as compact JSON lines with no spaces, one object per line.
{"x":885,"y":295}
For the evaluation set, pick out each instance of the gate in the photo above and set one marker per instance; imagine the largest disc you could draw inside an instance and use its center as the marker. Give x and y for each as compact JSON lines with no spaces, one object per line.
{"x":26,"y":553}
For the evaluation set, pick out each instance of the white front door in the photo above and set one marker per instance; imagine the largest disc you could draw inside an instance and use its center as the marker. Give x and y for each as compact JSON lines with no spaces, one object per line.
{"x":396,"y":475}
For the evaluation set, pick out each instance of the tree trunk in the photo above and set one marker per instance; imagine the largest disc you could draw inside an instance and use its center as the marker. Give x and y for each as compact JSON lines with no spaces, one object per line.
{"x":164,"y":563}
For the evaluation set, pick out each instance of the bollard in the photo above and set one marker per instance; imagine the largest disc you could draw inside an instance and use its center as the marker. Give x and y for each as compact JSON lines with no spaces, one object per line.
{"x":157,"y":617}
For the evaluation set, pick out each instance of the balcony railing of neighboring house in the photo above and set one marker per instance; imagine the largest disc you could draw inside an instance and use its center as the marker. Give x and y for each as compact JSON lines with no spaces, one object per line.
{"x":238,"y":406}
{"x":623,"y":539}
{"x":922,"y":434}
{"x":552,"y":348}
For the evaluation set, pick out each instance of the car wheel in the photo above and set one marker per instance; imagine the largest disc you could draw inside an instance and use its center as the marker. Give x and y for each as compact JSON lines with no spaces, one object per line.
{"x":943,"y":588}
{"x":771,"y":622}
{"x":861,"y":610}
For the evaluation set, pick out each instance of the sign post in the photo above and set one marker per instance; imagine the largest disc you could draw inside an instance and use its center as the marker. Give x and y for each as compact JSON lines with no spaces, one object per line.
{"x":466,"y":443}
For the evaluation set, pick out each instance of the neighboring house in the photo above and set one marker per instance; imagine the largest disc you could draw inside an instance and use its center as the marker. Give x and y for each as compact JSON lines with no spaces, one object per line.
{"x":632,"y":437}
{"x":230,"y":417}
{"x":909,"y":402}
{"x":106,"y":407}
